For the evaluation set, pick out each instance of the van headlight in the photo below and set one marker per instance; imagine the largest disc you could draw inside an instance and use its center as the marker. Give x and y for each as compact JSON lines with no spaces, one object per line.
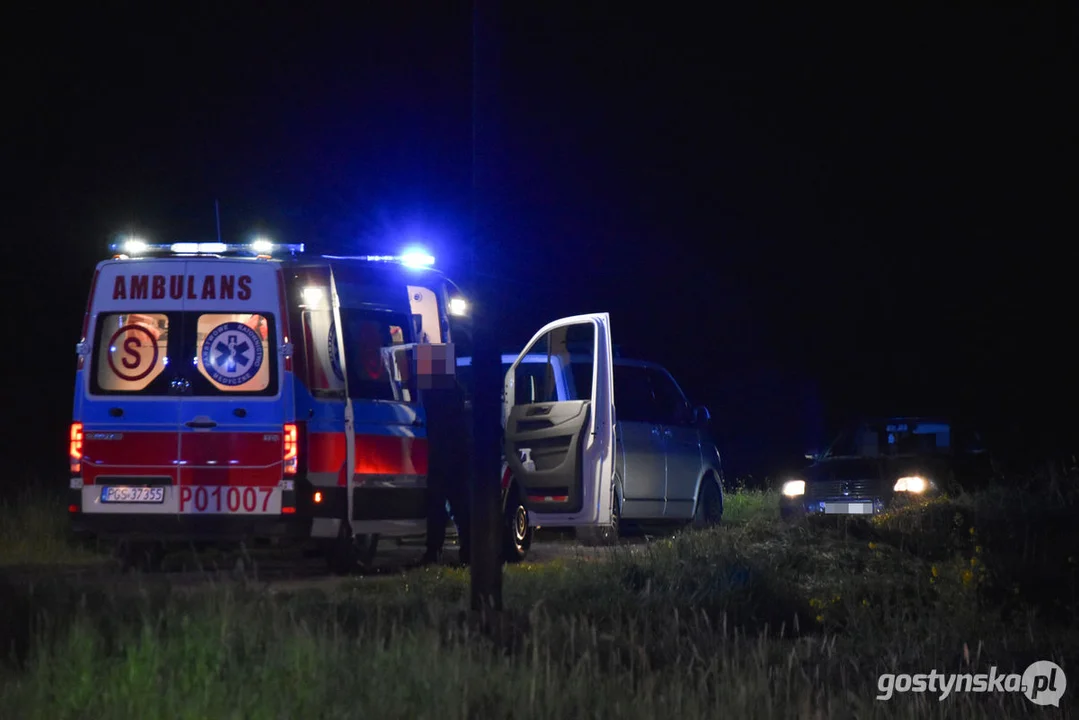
{"x":794,"y":488}
{"x":912,"y":484}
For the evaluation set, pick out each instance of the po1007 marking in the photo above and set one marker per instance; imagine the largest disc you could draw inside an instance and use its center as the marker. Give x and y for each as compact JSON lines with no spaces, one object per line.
{"x":225,"y":499}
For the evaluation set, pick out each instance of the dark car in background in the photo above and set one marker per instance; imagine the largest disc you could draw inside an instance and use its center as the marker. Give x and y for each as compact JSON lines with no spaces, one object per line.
{"x":874,"y":464}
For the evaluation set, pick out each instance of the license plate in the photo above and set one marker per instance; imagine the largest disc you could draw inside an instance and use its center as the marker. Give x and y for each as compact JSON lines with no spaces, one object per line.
{"x":229,"y":499}
{"x":114,"y":494}
{"x":848,"y":508}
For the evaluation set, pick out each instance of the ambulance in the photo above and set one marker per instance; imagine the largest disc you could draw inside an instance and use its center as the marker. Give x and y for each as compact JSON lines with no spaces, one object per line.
{"x":213,"y":403}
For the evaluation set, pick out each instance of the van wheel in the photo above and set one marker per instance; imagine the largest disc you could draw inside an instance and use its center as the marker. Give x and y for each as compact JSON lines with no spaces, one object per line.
{"x":517,"y":530}
{"x":709,"y":510}
{"x":146,"y":557}
{"x":347,"y":553}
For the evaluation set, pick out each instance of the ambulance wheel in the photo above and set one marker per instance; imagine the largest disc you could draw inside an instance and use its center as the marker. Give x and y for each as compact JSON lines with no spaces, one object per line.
{"x":348,"y":553}
{"x":141,"y":556}
{"x":517,"y":530}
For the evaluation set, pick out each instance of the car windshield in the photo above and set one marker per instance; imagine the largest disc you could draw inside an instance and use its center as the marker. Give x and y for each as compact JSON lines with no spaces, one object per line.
{"x":887,"y":439}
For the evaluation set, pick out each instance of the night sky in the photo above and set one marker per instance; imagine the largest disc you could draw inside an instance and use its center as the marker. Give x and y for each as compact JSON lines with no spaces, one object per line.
{"x":803,"y":215}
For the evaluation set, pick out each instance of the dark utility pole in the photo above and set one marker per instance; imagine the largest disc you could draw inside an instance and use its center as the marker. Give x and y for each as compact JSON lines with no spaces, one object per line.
{"x":486,"y":546}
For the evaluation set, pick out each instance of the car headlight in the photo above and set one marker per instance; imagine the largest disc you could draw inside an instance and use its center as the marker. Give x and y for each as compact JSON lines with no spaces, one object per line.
{"x":912,"y":484}
{"x":794,"y":488}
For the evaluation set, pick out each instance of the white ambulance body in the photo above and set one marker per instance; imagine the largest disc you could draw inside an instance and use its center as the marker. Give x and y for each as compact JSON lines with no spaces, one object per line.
{"x":212,"y":402}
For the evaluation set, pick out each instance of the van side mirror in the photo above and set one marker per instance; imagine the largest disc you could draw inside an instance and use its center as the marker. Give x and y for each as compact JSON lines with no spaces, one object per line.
{"x":701,"y":416}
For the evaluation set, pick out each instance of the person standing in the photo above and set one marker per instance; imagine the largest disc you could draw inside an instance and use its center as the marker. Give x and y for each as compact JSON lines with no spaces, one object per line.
{"x":449,"y":466}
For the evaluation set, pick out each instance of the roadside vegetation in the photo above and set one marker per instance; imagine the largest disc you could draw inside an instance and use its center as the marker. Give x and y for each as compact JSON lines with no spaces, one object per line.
{"x":34,"y":532}
{"x":755,"y":619}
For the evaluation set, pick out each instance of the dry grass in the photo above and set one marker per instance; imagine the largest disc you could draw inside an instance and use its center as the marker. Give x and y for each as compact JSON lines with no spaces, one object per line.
{"x":753,"y":619}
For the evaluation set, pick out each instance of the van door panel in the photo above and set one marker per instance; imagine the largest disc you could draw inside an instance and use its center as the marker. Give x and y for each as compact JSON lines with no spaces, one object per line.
{"x":389,"y":447}
{"x":137,"y":445}
{"x":230,"y":437}
{"x":130,"y":418}
{"x":570,"y":436}
{"x":644,"y":469}
{"x":683,"y":447}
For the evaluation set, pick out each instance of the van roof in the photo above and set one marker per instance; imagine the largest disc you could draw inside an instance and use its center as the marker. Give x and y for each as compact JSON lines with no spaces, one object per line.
{"x":508,"y":358}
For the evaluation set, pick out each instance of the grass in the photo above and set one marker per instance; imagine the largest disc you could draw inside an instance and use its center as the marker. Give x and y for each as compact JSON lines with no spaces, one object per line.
{"x":752,"y":619}
{"x":743,"y":505}
{"x":34,"y":531}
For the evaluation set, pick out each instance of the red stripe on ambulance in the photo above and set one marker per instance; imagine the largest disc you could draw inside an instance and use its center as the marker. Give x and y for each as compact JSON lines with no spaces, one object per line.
{"x":231,"y":458}
{"x":375,"y":454}
{"x":128,"y":454}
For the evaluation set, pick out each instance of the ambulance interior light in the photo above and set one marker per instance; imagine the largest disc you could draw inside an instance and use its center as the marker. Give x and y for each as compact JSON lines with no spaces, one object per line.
{"x":312,"y":296}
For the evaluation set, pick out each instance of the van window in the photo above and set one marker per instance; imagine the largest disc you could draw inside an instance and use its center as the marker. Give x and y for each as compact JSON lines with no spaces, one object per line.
{"x":633,"y":398}
{"x":324,"y":376}
{"x":218,"y":353}
{"x":234,"y":352}
{"x":366,"y":332}
{"x":671,"y":404}
{"x":132,"y":352}
{"x":534,"y":383}
{"x":567,"y":366}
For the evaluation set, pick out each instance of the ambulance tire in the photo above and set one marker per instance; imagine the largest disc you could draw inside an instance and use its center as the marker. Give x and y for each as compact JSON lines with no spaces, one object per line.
{"x":517,"y":531}
{"x":347,"y":554}
{"x":146,"y":557}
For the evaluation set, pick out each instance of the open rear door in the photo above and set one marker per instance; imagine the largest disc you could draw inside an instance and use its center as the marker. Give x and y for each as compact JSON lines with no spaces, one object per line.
{"x":350,"y":427}
{"x":558,"y":415}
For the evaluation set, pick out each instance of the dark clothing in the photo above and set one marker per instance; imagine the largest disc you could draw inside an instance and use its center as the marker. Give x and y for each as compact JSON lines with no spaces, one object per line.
{"x":449,"y":466}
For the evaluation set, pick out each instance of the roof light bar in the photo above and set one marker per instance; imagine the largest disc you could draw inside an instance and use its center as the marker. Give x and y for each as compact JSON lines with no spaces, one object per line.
{"x":417,"y":258}
{"x":412,"y":260}
{"x":198,"y":248}
{"x":262,"y":246}
{"x":132,"y":247}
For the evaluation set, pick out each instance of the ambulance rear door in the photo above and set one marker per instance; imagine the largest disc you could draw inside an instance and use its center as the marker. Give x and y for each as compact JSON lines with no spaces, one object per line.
{"x":381,"y":317}
{"x":128,"y":405}
{"x":234,"y":442}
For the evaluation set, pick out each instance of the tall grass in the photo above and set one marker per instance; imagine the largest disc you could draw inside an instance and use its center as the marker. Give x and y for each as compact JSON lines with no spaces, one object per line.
{"x":34,"y":531}
{"x":741,"y":505}
{"x":753,"y":619}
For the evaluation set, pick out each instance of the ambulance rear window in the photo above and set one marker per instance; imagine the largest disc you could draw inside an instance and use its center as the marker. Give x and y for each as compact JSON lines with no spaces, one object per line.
{"x":132,"y":352}
{"x":207,"y":353}
{"x":234,"y":352}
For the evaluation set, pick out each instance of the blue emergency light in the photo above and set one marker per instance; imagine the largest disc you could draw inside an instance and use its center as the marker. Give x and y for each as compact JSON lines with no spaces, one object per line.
{"x":411,"y":259}
{"x":417,"y":258}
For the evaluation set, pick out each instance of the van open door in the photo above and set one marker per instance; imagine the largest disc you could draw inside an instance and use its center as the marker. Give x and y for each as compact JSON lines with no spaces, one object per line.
{"x":558,"y":417}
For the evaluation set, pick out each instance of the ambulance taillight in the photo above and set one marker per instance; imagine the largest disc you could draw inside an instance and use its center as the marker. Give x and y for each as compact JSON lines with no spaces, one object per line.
{"x":75,"y":448}
{"x":291,"y":449}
